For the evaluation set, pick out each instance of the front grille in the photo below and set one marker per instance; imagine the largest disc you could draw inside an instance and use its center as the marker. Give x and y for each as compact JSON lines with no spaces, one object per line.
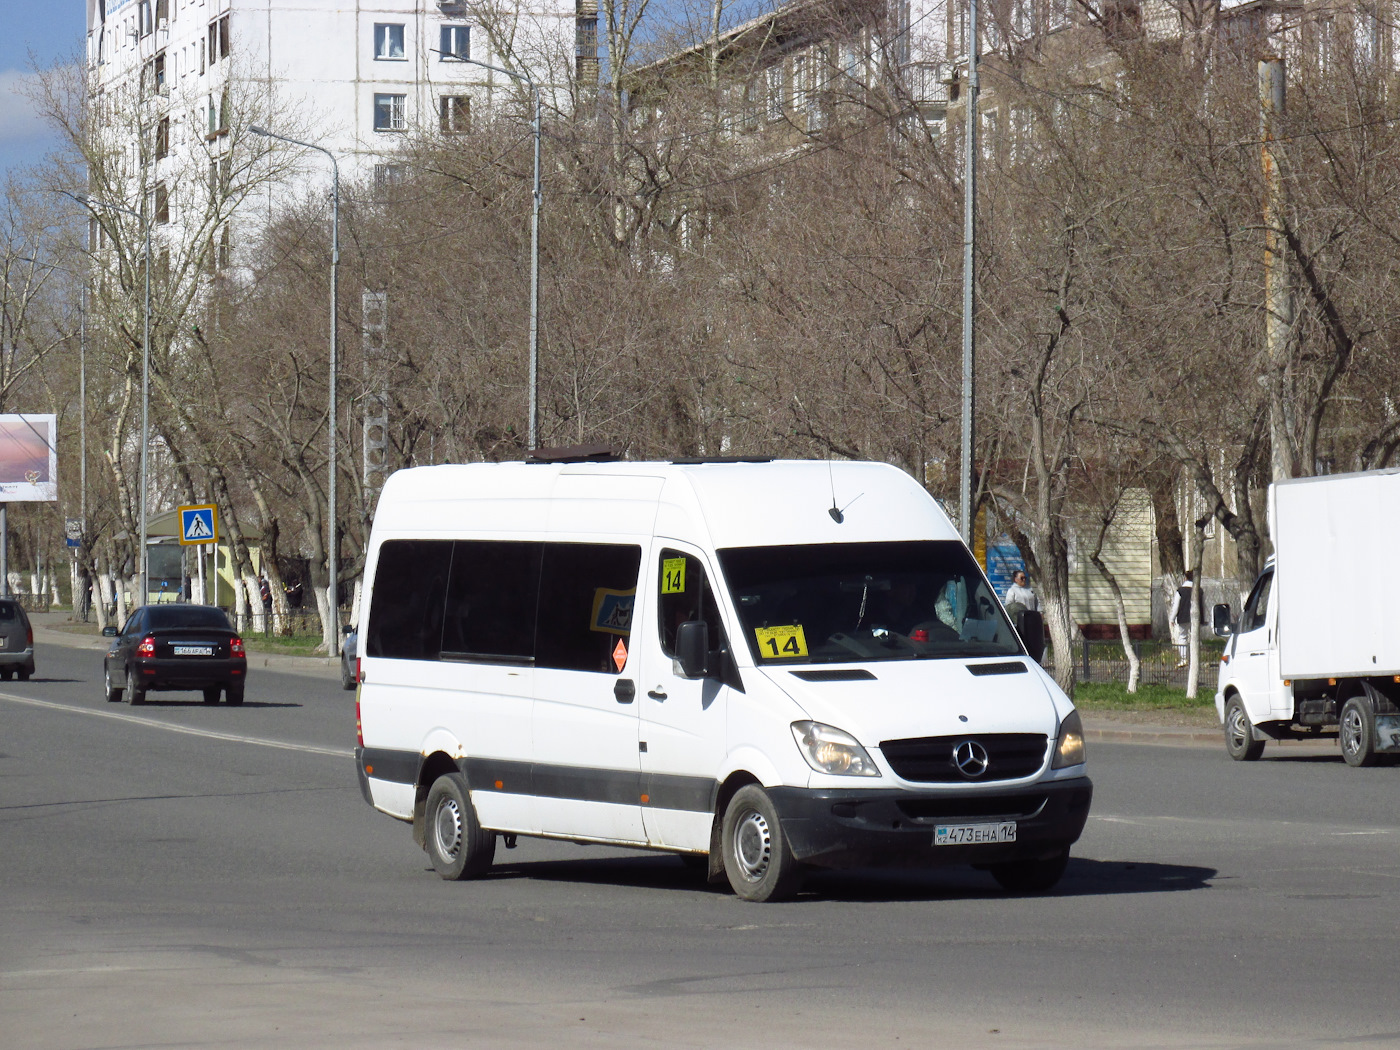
{"x":1008,"y":807}
{"x":929,"y":759}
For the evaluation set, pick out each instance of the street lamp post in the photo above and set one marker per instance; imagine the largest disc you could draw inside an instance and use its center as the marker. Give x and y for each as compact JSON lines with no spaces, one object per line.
{"x":532,"y":436}
{"x":332,"y":566}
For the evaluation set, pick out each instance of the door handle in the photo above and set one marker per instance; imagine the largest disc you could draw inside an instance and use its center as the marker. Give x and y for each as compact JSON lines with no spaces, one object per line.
{"x":625,"y":690}
{"x":657,"y":694}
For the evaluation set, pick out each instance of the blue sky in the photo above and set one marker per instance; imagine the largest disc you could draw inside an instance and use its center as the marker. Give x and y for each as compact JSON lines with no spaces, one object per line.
{"x":51,"y":30}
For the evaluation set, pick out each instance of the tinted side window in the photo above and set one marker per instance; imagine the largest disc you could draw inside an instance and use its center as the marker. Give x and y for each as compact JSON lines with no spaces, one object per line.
{"x":8,"y":611}
{"x":491,"y":596}
{"x":405,"y":614}
{"x":135,"y":622}
{"x":587,"y":591}
{"x":683,"y":593}
{"x":1257,"y":607}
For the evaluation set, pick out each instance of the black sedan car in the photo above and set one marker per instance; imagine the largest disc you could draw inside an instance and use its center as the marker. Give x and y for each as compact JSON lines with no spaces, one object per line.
{"x":175,"y":647}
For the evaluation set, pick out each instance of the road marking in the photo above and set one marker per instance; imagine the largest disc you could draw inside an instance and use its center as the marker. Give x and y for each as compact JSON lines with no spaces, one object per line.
{"x":211,"y":734}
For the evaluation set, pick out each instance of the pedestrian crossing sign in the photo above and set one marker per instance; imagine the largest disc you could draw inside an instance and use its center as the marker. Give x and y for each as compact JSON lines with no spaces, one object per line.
{"x":199,"y":524}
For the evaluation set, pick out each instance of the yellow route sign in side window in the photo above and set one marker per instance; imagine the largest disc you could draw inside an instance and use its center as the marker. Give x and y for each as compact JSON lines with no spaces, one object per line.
{"x":777,"y":643}
{"x":673,"y":576}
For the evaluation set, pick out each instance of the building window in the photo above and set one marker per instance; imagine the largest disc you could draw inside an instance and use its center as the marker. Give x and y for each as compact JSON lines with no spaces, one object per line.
{"x":163,"y":138}
{"x":218,"y":40}
{"x":159,"y":64}
{"x":454,"y":44}
{"x":454,"y":114}
{"x":386,"y":175}
{"x":143,"y":15}
{"x":389,"y":112}
{"x":218,"y":115}
{"x":775,"y":91}
{"x":388,"y":41}
{"x":586,"y":37}
{"x":162,"y":203}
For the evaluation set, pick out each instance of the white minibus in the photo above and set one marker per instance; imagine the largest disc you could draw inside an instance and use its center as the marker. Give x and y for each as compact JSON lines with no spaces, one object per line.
{"x":773,"y":665}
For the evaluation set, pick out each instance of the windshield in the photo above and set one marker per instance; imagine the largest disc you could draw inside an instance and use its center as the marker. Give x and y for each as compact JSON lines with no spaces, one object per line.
{"x":858,"y":602}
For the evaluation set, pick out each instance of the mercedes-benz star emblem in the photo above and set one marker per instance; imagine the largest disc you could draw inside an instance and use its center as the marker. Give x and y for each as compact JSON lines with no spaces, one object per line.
{"x":971,"y":759}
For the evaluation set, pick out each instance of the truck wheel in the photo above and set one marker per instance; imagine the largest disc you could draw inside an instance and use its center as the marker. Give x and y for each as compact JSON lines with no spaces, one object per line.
{"x":1030,"y":876}
{"x":757,"y":860}
{"x":134,"y":693}
{"x":1356,"y":732}
{"x":459,"y":847}
{"x":1239,"y":733}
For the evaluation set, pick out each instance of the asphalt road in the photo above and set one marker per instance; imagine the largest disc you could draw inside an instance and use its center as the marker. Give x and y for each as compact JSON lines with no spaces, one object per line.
{"x":183,"y":875}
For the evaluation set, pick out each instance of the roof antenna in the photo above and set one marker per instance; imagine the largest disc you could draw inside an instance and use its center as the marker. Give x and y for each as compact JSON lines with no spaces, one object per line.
{"x":835,"y":511}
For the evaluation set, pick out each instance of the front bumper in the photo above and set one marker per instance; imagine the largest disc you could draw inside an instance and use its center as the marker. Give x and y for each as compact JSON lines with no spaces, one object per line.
{"x":850,"y":828}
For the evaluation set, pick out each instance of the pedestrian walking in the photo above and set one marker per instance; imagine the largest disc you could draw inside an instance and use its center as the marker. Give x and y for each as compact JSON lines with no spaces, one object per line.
{"x":1179,"y":619}
{"x":1020,"y":591}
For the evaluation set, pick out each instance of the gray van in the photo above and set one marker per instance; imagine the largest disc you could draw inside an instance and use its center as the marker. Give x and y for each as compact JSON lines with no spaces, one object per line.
{"x":16,"y":641}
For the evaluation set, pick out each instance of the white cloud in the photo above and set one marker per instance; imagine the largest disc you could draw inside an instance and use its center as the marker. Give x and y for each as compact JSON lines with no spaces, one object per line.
{"x":18,"y":119}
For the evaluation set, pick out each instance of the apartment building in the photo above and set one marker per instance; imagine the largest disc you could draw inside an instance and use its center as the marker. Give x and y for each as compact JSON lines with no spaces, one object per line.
{"x":355,"y":76}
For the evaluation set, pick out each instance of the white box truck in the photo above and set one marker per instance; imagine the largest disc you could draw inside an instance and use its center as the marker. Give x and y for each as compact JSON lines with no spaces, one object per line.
{"x":1316,"y":648}
{"x":763,"y":665}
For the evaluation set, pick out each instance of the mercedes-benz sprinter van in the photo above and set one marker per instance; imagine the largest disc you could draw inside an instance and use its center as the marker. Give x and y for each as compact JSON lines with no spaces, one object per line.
{"x":779,"y":665}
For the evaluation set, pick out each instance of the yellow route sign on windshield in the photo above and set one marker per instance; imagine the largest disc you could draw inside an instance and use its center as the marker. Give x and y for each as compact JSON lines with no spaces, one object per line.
{"x":776,"y":643}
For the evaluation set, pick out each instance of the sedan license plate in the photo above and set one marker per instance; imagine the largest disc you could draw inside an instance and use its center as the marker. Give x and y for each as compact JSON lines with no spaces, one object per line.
{"x":192,"y":650}
{"x":973,"y":834}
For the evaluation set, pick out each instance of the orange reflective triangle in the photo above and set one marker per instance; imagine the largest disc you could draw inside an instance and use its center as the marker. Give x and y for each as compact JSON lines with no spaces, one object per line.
{"x":620,"y":654}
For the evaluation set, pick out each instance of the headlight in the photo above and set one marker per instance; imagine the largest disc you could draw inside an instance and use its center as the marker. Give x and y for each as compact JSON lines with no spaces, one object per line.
{"x":1069,"y":749}
{"x":828,"y":750}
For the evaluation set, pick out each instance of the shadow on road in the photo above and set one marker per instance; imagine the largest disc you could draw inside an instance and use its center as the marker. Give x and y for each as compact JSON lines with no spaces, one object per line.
{"x":199,"y":702}
{"x":1083,"y":878}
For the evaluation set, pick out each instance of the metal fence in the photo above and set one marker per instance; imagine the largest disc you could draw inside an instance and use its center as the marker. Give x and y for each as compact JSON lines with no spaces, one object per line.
{"x":1105,"y":661}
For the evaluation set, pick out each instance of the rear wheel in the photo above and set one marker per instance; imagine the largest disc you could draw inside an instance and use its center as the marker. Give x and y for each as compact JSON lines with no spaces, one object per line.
{"x":757,"y":860}
{"x":8,"y":673}
{"x":456,"y":843}
{"x":211,"y":694}
{"x":1030,"y":876}
{"x":135,"y":694}
{"x":1356,"y":732}
{"x":25,"y":672}
{"x":233,"y":693}
{"x":114,"y":692}
{"x":1239,"y":733}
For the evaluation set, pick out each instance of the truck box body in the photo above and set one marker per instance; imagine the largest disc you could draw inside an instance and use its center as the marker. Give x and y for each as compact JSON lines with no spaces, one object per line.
{"x":1332,"y":535}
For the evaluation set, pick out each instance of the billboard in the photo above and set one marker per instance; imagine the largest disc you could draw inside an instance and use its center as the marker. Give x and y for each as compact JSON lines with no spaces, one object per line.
{"x":28,"y":459}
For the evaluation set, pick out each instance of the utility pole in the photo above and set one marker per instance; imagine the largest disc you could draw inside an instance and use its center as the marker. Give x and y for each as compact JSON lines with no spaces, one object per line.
{"x":1278,"y":303}
{"x":969,"y":328}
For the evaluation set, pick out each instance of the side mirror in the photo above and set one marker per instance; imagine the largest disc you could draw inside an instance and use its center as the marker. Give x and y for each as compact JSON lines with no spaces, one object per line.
{"x":1220,"y":621}
{"x":693,"y":648}
{"x":109,"y":632}
{"x":1030,"y":625}
{"x":346,"y":628}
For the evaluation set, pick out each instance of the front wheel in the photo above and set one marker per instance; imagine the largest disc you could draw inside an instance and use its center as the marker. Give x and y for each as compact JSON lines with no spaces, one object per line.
{"x":114,"y":692}
{"x":456,"y":843}
{"x":134,"y":693}
{"x":1030,"y":876}
{"x":757,"y":859}
{"x":1356,"y":732}
{"x":1239,"y":733}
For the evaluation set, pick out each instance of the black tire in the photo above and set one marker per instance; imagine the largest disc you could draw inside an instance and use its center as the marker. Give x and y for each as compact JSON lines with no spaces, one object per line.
{"x":114,"y":692}
{"x":1356,"y":732}
{"x":456,"y":843}
{"x":233,"y":693}
{"x":211,"y":694}
{"x":1030,"y":876}
{"x":347,"y":678}
{"x":134,"y":693}
{"x":1240,"y":742}
{"x":25,"y":672}
{"x":757,"y":860}
{"x":8,"y":673}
